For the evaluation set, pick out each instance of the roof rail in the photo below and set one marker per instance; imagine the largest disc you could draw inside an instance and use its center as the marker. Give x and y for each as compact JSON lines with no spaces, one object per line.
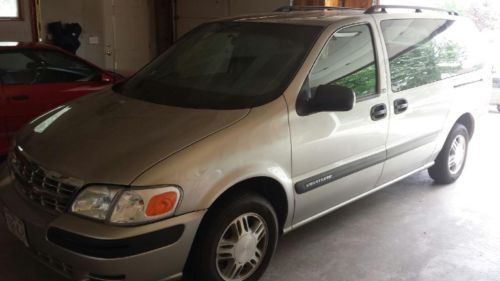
{"x":382,"y":9}
{"x":313,"y":8}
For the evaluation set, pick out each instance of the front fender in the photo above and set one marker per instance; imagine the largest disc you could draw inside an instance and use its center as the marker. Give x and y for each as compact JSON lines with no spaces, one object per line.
{"x":257,"y":146}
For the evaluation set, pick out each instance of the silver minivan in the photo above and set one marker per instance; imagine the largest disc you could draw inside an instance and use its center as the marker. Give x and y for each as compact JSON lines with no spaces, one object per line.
{"x":244,"y":130}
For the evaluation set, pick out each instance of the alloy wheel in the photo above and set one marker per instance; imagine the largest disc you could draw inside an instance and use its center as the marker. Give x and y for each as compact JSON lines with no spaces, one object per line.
{"x":242,"y":247}
{"x":457,"y":154}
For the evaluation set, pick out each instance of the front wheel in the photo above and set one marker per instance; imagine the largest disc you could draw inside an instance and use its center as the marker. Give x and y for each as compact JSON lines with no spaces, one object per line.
{"x":450,"y":162}
{"x":237,"y":240}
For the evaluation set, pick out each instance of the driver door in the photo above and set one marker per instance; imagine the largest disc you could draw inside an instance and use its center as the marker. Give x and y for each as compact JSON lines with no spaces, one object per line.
{"x":35,"y":81}
{"x":337,"y":156}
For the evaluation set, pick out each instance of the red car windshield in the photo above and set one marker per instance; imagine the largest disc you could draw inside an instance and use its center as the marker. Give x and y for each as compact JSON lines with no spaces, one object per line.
{"x":30,"y":66}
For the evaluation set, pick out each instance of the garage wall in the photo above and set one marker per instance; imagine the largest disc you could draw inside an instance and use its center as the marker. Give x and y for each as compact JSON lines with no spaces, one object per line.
{"x":19,"y":30}
{"x":240,"y":7}
{"x":191,"y":13}
{"x":89,"y":14}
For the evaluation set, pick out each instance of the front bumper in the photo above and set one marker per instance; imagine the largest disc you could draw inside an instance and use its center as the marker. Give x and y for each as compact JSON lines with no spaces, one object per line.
{"x":139,"y":257}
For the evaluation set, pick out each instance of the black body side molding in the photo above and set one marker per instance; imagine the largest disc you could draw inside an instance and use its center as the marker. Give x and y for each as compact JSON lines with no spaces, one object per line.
{"x":319,"y":180}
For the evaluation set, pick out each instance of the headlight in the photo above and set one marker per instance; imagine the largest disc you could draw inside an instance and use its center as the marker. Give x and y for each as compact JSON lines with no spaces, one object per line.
{"x":127,"y":205}
{"x":95,"y":202}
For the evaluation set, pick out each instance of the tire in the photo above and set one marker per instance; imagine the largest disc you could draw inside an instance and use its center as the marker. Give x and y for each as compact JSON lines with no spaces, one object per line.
{"x":498,"y":107}
{"x":229,"y":242}
{"x":451,"y":160}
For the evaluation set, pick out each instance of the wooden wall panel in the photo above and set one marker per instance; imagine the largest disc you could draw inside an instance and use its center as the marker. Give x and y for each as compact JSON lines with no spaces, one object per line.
{"x":358,"y":3}
{"x":336,"y":3}
{"x":333,"y":3}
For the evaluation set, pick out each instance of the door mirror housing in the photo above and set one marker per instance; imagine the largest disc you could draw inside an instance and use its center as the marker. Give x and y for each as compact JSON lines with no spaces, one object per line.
{"x":107,"y":78}
{"x":330,"y":98}
{"x":112,"y":77}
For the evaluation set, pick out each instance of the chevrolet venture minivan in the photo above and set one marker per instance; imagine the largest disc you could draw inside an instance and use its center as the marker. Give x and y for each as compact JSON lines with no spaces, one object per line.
{"x":245,"y":129}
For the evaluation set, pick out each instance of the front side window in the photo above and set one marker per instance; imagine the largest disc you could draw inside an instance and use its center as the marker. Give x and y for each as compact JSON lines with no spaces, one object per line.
{"x":348,"y":60}
{"x":225,"y":65}
{"x":423,"y":51}
{"x":43,"y":66}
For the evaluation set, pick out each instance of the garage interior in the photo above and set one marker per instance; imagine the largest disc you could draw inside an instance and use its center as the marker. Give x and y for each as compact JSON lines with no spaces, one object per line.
{"x":111,"y":40}
{"x":411,"y":230}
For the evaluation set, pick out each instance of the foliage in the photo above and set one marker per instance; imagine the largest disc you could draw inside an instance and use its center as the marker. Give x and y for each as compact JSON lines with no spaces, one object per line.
{"x":484,"y":15}
{"x":363,"y":82}
{"x":431,"y":61}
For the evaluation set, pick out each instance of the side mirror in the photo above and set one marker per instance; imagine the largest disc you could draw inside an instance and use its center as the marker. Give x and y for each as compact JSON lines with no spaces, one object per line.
{"x":106,"y":78}
{"x":331,"y":98}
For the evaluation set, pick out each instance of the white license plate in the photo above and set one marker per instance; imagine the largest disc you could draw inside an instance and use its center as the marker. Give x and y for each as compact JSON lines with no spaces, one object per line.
{"x":16,"y":226}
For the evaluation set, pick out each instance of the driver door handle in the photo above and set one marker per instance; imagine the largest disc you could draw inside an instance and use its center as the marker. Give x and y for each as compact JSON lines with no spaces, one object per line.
{"x":378,"y":112}
{"x":19,"y":97}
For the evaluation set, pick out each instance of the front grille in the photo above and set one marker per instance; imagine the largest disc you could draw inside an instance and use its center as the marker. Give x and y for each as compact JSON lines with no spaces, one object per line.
{"x":47,"y":189}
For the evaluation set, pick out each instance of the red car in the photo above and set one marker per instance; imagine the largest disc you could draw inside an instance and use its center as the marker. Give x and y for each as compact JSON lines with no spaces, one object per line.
{"x":37,"y":77}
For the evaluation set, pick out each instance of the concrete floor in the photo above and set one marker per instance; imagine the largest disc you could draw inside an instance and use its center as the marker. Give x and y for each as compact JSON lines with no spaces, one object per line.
{"x":412,"y":230}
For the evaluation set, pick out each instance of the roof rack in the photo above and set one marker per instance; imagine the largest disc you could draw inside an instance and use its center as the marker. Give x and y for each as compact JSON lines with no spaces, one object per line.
{"x":313,"y":8}
{"x":382,"y":9}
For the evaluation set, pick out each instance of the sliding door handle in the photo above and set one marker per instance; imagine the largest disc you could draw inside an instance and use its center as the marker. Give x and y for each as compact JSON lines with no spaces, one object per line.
{"x":400,"y":106}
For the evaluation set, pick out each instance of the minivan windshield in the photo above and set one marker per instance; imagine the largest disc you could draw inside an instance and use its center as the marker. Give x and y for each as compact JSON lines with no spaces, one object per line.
{"x":225,"y":65}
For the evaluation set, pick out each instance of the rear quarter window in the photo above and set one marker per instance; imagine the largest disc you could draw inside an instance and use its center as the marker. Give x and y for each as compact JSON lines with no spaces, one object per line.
{"x":423,"y":51}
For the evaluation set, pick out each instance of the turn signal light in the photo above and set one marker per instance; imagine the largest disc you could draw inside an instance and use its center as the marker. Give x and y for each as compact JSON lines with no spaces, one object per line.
{"x":161,"y":204}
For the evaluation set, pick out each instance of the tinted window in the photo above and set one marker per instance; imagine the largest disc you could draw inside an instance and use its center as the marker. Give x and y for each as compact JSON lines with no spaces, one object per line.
{"x":225,"y":65}
{"x":348,"y":60}
{"x":43,"y":66}
{"x":422,"y":51}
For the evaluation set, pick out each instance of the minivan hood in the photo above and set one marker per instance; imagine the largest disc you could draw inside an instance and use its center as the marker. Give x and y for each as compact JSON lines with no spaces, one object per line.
{"x":109,"y":138}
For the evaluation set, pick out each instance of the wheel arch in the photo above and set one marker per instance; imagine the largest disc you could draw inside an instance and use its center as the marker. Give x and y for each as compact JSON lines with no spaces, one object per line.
{"x":468,"y":121}
{"x":267,"y":187}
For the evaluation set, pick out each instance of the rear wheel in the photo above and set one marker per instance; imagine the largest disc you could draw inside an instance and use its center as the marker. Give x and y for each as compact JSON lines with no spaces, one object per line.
{"x":450,"y":162}
{"x":237,"y":240}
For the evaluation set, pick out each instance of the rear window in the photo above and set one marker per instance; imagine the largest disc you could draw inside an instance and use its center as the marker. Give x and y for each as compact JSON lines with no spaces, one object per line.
{"x":225,"y":65}
{"x":423,"y":51}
